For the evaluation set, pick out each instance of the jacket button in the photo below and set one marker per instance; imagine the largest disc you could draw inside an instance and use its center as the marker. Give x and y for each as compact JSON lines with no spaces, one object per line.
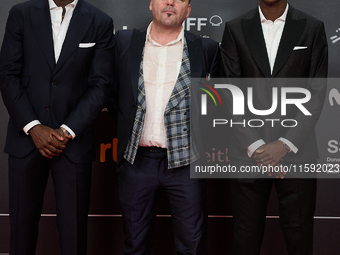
{"x":54,"y":84}
{"x":47,"y":107}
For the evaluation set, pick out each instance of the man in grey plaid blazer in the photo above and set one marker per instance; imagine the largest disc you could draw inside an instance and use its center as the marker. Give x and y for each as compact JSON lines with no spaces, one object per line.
{"x":151,"y":102}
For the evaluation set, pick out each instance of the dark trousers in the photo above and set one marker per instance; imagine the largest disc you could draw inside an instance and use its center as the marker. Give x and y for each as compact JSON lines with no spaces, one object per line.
{"x":297,"y":199}
{"x":27,"y":182}
{"x":139,"y":186}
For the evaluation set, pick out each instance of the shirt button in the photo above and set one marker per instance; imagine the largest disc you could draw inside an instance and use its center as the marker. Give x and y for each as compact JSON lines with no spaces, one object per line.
{"x":161,"y":65}
{"x":47,"y":107}
{"x":54,"y":84}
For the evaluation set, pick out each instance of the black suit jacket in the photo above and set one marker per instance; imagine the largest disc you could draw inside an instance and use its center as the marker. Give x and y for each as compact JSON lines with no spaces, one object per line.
{"x":244,"y":55}
{"x":129,"y":44}
{"x":71,"y":91}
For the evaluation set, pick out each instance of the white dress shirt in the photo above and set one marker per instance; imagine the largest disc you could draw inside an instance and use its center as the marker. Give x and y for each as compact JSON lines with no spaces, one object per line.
{"x":59,"y":28}
{"x":59,"y":25}
{"x":161,"y":66}
{"x":272,"y":33}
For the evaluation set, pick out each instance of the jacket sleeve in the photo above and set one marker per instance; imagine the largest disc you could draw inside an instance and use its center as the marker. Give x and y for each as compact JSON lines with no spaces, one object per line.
{"x":100,"y":79}
{"x":317,"y":85}
{"x":231,"y":68}
{"x":12,"y":80}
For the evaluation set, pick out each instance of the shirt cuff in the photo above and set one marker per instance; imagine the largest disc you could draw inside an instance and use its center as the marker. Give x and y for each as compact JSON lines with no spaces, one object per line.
{"x":30,"y":125}
{"x":69,"y":130}
{"x":290,"y":144}
{"x":254,"y":146}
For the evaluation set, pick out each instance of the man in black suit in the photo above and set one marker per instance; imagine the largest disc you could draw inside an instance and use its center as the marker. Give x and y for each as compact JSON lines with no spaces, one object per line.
{"x":151,"y":102}
{"x":55,"y":75}
{"x":275,"y":41}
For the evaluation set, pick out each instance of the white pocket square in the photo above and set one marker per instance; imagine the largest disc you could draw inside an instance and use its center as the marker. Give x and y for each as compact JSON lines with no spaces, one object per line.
{"x":86,"y":45}
{"x":300,"y":47}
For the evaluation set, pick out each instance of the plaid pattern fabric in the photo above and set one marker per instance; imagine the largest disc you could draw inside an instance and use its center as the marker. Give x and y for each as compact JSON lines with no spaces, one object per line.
{"x":176,"y":119}
{"x":132,"y":146}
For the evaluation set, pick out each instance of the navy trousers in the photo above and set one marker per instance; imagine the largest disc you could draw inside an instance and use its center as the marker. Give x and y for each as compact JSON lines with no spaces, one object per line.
{"x":297,"y":200}
{"x":27,"y":182}
{"x":139,"y":186}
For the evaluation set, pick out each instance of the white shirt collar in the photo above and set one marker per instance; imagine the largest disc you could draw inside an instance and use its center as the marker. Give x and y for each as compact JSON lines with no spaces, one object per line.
{"x":282,"y":18}
{"x":53,"y":5}
{"x":180,"y":37}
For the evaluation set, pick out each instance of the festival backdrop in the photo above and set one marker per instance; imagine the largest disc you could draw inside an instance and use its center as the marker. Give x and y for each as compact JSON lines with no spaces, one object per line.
{"x":105,"y":225}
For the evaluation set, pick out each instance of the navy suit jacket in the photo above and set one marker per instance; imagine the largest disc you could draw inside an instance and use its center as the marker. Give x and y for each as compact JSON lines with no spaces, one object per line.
{"x":71,"y":91}
{"x":244,"y":55}
{"x":204,"y":59}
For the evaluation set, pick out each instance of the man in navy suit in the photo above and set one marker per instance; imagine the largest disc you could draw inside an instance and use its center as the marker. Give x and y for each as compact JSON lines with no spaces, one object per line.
{"x":55,"y":75}
{"x":276,"y":41}
{"x":151,"y":102}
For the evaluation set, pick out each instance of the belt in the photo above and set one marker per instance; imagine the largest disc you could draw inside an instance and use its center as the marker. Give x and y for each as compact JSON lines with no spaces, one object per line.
{"x":151,"y":149}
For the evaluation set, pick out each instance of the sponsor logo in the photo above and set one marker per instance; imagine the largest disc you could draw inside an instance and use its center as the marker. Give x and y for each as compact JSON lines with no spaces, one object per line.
{"x":108,"y":149}
{"x":336,"y":38}
{"x":334,"y":97}
{"x":216,"y":21}
{"x":333,"y":146}
{"x":197,"y":24}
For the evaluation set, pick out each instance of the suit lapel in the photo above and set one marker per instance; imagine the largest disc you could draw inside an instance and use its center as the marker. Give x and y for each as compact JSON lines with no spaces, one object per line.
{"x":41,"y":21}
{"x":80,"y":22}
{"x":253,"y":34}
{"x":290,"y":37}
{"x":182,"y":86}
{"x":136,"y":49}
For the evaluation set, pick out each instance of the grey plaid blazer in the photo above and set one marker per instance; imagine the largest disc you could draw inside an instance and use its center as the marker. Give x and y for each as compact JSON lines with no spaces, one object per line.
{"x":176,"y":118}
{"x":201,"y":58}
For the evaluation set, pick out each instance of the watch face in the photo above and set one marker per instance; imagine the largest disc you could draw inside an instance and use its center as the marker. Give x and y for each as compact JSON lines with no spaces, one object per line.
{"x":67,"y":134}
